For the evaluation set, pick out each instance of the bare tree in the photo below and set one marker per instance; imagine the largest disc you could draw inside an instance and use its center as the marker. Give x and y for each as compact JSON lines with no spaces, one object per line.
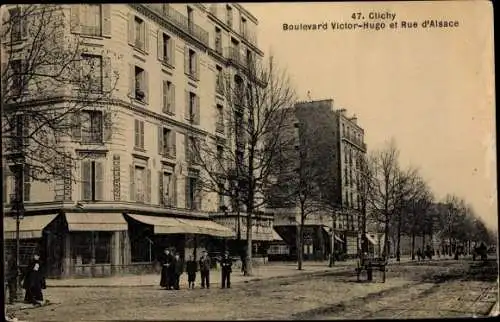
{"x":388,"y":180}
{"x":452,"y":219}
{"x":48,"y":78}
{"x":257,"y":97}
{"x":365,"y":177}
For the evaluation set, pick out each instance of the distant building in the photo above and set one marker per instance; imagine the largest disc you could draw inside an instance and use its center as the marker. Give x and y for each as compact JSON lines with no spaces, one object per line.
{"x":341,"y":135}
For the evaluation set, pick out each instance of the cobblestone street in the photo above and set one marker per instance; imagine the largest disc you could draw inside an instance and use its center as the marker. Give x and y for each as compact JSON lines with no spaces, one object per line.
{"x":429,"y":289}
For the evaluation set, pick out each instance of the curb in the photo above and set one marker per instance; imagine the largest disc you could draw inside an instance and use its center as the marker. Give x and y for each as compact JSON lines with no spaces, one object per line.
{"x":256,"y":279}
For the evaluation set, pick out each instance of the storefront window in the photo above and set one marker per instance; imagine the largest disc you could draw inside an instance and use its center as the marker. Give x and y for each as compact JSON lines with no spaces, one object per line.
{"x":91,"y":247}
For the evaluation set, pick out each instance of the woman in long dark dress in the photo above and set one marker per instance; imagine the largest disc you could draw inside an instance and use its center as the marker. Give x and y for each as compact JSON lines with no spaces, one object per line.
{"x":166,"y":262}
{"x":34,"y":282}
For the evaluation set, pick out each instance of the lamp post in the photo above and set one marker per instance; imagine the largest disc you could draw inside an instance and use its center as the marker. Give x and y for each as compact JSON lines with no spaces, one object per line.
{"x":18,"y":208}
{"x":332,"y":247}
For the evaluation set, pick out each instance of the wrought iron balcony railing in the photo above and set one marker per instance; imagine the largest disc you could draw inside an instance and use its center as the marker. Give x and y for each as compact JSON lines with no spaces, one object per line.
{"x":182,"y":22}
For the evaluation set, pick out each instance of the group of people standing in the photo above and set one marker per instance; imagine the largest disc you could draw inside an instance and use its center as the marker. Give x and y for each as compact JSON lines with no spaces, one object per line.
{"x":172,"y":267}
{"x":33,"y":280}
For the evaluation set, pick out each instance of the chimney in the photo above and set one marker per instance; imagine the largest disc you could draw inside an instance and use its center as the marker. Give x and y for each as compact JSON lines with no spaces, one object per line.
{"x":354,"y":119}
{"x":342,"y":111}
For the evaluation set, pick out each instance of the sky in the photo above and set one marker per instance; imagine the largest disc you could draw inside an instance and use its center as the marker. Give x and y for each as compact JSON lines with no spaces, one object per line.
{"x":431,"y":89}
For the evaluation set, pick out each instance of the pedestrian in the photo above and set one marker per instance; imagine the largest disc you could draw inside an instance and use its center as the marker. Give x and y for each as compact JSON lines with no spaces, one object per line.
{"x":12,"y":272}
{"x":34,"y":282}
{"x":178,"y":270}
{"x":191,"y":269}
{"x":205,"y":269}
{"x":243,"y":257}
{"x":166,"y":262}
{"x":419,"y":254}
{"x":226,"y":268}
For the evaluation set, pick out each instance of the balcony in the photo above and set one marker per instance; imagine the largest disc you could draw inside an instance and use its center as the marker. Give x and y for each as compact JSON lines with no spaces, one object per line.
{"x":249,"y":36}
{"x":219,"y":127}
{"x":236,"y":57}
{"x":181,"y":22}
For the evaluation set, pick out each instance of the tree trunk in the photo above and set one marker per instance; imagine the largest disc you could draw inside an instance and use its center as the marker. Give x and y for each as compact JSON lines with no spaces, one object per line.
{"x":300,"y":244}
{"x":423,"y":242}
{"x":249,"y":234}
{"x":386,"y":239}
{"x":398,"y":246}
{"x":412,"y":246}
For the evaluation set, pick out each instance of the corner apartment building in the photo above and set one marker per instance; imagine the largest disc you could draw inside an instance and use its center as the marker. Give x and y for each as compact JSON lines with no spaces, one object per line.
{"x":343,"y":136}
{"x":136,"y":188}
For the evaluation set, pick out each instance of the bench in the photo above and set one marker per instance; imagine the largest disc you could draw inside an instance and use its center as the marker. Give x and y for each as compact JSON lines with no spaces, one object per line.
{"x":370,"y":264}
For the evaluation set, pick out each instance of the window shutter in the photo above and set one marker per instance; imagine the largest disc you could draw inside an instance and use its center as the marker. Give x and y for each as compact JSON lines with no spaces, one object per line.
{"x":148,"y":186}
{"x":76,"y":126}
{"x":187,"y":186}
{"x":197,"y":195}
{"x":197,"y":66}
{"x":99,"y":180}
{"x":160,"y":140}
{"x":187,"y":115}
{"x":146,"y":36}
{"x":142,"y":134}
{"x":186,"y":60}
{"x":146,"y":85}
{"x":159,"y":38}
{"x":4,"y":183}
{"x":171,"y":97}
{"x":131,"y":29}
{"x":172,"y":144}
{"x":106,"y":19}
{"x":165,"y":97}
{"x":171,"y":49}
{"x":27,"y":182}
{"x":173,"y":190}
{"x":108,"y":126}
{"x":132,"y":183}
{"x":160,"y":189}
{"x":106,"y":74}
{"x":131,"y":80}
{"x":187,"y":148}
{"x":197,"y":110}
{"x":86,"y":180}
{"x":137,"y":136}
{"x":75,"y":19}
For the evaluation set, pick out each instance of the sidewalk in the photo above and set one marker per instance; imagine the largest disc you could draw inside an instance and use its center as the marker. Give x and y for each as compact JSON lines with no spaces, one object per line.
{"x":267,"y":271}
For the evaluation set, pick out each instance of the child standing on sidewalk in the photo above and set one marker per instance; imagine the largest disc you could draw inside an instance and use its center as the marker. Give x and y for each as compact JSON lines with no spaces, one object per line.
{"x":191,"y":269}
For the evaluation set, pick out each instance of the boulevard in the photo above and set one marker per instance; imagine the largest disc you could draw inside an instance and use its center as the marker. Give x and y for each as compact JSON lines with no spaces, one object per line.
{"x":425,"y":289}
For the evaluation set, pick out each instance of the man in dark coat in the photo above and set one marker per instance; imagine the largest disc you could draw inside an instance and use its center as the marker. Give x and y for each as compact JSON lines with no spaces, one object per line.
{"x":34,"y":282}
{"x":226,"y":268}
{"x":167,"y":263}
{"x":178,"y":269}
{"x":191,"y":269}
{"x":11,"y":274}
{"x":205,"y":269}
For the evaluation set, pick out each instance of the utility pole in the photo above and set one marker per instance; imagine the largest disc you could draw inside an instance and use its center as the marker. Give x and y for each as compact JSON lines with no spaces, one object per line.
{"x":332,"y":247}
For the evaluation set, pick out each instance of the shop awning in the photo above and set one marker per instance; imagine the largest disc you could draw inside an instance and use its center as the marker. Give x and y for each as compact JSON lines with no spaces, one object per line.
{"x":208,"y":227}
{"x":329,"y":231}
{"x":276,"y":236}
{"x":30,"y":226}
{"x":96,"y":222}
{"x":165,"y":225}
{"x":370,"y":239}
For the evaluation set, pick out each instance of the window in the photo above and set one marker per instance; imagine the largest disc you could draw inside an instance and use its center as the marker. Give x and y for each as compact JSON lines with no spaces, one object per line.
{"x":192,"y":150}
{"x":92,"y":177}
{"x":192,"y":195}
{"x":91,"y":247}
{"x":219,"y":82}
{"x":140,"y":33}
{"x":91,"y":126}
{"x":239,"y":159}
{"x":167,"y":50}
{"x":17,"y":76}
{"x":140,"y":184}
{"x":91,"y":19}
{"x":192,"y":63}
{"x":220,"y":158}
{"x":140,"y":84}
{"x":192,"y":112}
{"x":243,"y":27}
{"x":221,"y":196}
{"x":92,"y":72}
{"x":346,"y":177}
{"x":219,"y":125}
{"x":218,"y":40}
{"x":139,"y":134}
{"x":229,"y":16}
{"x":166,"y":142}
{"x":343,"y":129}
{"x":351,"y":200}
{"x":18,"y":26}
{"x":190,"y":15}
{"x":168,"y":97}
{"x":166,"y":191}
